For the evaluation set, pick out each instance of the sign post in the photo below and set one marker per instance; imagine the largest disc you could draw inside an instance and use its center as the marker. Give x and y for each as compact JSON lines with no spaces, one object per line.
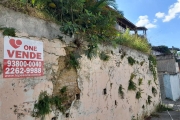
{"x":22,"y":58}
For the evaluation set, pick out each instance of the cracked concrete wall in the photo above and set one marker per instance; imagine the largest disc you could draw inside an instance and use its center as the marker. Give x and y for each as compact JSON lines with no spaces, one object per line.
{"x":17,"y":96}
{"x":96,"y":75}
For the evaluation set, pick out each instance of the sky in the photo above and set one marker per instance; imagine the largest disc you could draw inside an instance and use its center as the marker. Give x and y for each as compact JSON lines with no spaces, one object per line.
{"x":161,"y":17}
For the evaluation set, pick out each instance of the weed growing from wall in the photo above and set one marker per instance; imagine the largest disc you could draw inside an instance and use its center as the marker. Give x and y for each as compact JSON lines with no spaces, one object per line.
{"x":152,"y":66}
{"x":149,"y":82}
{"x":149,"y":99}
{"x":42,"y":107}
{"x":138,"y":94}
{"x":141,"y":63}
{"x":162,"y":108}
{"x":72,"y":60}
{"x":45,"y":102}
{"x":120,"y":91}
{"x":131,"y":61}
{"x":140,"y":80}
{"x":91,"y":51}
{"x":103,"y":56}
{"x":132,"y":85}
{"x":154,"y":91}
{"x":123,"y":55}
{"x":8,"y":31}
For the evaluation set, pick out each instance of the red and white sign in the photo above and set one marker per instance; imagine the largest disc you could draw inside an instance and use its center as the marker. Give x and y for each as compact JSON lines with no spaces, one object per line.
{"x":22,"y":58}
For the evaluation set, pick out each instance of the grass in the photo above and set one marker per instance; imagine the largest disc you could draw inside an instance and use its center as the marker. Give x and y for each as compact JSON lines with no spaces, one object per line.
{"x":134,"y":41}
{"x":161,"y":108}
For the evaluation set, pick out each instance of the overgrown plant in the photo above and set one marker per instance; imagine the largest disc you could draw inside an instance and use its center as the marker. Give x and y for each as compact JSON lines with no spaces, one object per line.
{"x":121,"y":92}
{"x":154,"y":91}
{"x":45,"y":102}
{"x":131,"y":61}
{"x":149,"y":99}
{"x":134,"y":41}
{"x":152,"y":66}
{"x":141,"y":63}
{"x":8,"y":31}
{"x":138,"y":94}
{"x":123,"y":55}
{"x":132,"y":85}
{"x":149,"y":82}
{"x":103,"y":56}
{"x":161,"y":108}
{"x":140,"y":80}
{"x":72,"y":60}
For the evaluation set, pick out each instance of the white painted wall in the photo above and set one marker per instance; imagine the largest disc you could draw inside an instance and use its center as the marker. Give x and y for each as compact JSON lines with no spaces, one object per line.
{"x":172,"y":86}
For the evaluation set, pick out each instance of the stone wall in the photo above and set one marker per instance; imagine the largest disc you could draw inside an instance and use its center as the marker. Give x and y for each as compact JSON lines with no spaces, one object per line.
{"x":96,"y":82}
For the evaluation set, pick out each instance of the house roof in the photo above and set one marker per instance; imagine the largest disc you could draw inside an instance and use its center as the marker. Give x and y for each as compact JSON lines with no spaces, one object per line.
{"x":125,"y":23}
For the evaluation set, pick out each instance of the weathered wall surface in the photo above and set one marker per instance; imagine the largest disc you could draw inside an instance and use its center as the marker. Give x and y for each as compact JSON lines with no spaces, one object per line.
{"x":17,"y":96}
{"x":167,"y":63}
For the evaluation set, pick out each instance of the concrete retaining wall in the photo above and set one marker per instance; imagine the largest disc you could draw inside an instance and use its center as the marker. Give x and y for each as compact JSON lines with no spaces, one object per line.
{"x":17,"y":96}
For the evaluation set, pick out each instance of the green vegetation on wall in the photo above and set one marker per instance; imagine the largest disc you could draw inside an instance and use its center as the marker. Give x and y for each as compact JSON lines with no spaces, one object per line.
{"x":138,"y":94}
{"x":8,"y":31}
{"x":45,"y":102}
{"x":90,"y":21}
{"x":140,"y":80}
{"x":132,"y":85}
{"x":103,"y":56}
{"x":121,"y":92}
{"x":131,"y":61}
{"x":154,"y":91}
{"x":152,"y":66}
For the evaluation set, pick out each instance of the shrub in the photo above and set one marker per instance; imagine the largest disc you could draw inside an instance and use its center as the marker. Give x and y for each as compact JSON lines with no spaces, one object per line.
{"x":131,"y":61}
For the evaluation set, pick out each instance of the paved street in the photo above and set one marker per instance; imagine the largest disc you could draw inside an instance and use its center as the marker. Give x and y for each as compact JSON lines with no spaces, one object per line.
{"x":169,"y":115}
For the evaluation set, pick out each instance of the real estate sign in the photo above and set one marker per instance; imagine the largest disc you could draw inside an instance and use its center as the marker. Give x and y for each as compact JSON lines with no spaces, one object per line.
{"x":22,"y":58}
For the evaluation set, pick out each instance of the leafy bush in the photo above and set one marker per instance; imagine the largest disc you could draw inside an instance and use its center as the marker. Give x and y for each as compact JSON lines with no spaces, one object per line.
{"x":45,"y":102}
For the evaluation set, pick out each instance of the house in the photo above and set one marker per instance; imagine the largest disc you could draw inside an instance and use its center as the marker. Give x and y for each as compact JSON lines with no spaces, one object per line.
{"x":123,"y":24}
{"x":168,"y":71}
